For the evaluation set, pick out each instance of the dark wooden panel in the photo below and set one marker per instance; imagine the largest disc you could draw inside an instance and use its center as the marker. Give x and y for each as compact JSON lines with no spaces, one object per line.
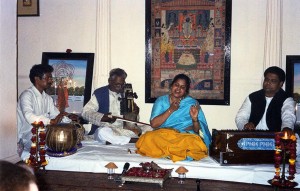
{"x":76,"y":181}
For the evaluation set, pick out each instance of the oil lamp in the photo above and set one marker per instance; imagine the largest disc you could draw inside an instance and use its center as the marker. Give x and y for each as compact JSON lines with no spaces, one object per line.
{"x":37,"y":158}
{"x":285,"y":147}
{"x":181,"y":174}
{"x":110,"y":170}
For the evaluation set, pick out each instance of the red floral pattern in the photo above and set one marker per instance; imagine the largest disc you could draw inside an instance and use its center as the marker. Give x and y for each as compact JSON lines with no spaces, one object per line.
{"x":37,"y":157}
{"x":284,"y":149}
{"x":140,"y":172}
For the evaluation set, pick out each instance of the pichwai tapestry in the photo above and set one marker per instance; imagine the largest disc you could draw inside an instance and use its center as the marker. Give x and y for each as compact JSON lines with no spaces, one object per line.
{"x":190,"y":37}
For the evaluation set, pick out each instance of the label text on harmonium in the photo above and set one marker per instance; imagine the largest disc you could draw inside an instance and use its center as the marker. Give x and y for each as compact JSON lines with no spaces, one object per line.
{"x":256,"y":144}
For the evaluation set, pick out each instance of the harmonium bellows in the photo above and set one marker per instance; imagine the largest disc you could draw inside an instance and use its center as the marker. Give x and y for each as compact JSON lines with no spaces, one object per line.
{"x":242,"y":147}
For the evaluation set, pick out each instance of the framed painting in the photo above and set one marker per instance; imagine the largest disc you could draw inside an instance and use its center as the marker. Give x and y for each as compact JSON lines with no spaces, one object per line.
{"x":292,"y":84}
{"x":72,"y":79}
{"x":28,"y":8}
{"x":190,"y":37}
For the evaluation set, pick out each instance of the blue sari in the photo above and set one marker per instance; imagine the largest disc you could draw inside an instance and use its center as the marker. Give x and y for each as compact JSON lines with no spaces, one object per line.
{"x":181,"y":119}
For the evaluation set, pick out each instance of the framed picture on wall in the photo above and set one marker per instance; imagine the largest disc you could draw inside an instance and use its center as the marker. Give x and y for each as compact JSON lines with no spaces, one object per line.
{"x":72,"y":79}
{"x":292,"y":84}
{"x":190,"y":37}
{"x":28,"y":8}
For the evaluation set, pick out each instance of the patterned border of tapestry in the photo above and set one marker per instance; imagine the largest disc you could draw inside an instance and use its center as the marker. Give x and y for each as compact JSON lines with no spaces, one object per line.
{"x":191,"y":37}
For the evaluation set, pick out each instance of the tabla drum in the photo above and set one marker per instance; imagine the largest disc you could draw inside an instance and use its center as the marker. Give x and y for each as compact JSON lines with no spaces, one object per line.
{"x":80,"y":134}
{"x":61,"y":139}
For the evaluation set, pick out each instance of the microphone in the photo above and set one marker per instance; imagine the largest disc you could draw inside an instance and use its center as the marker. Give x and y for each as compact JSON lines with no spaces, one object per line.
{"x":125,"y":168}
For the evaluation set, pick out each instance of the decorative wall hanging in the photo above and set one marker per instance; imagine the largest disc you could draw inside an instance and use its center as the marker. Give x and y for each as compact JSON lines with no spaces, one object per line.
{"x":72,"y":79}
{"x":190,"y":37}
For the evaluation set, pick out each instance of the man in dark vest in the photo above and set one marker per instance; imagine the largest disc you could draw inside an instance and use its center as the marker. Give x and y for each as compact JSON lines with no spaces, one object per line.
{"x":269,"y":108}
{"x":103,"y":106}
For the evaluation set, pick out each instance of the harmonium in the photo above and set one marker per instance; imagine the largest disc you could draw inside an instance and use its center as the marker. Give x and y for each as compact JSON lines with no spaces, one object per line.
{"x":231,"y":147}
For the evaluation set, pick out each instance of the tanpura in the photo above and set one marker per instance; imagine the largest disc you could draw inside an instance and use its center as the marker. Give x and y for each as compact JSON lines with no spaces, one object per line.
{"x":127,"y":102}
{"x":127,"y":107}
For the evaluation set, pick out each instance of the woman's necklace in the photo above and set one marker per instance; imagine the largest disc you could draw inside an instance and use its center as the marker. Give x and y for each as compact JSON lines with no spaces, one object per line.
{"x":175,"y":99}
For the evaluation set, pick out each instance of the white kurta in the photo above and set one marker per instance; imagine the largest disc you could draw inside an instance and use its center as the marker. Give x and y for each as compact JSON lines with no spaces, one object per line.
{"x":34,"y":106}
{"x":113,"y":133}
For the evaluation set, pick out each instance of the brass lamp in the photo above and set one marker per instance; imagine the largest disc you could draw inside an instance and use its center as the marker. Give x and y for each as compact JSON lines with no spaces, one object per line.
{"x":111,"y":170}
{"x":181,"y":174}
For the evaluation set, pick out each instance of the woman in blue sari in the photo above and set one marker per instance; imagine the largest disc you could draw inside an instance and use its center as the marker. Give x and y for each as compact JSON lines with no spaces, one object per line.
{"x":181,"y":112}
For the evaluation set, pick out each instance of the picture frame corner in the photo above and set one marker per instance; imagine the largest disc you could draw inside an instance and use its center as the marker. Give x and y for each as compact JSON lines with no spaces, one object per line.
{"x":28,"y":8}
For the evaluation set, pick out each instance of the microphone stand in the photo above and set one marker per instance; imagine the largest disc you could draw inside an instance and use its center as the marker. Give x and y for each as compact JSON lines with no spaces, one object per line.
{"x":125,"y":168}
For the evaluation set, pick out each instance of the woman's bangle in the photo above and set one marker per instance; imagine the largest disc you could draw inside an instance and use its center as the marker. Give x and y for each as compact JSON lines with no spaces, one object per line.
{"x":195,"y":120}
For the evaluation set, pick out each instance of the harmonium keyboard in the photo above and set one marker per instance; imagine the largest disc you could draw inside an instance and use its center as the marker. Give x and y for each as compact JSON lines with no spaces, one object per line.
{"x":231,"y":147}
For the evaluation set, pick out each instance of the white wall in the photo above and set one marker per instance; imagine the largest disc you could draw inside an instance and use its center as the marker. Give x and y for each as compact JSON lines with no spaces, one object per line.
{"x":8,"y":79}
{"x":291,"y":20}
{"x":128,"y":47}
{"x":59,"y":28}
{"x":247,"y":49}
{"x":61,"y":25}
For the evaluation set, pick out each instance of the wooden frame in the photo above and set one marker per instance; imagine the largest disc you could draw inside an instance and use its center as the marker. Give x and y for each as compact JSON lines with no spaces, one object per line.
{"x":28,"y":8}
{"x":74,"y":72}
{"x":292,"y":84}
{"x":191,"y":37}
